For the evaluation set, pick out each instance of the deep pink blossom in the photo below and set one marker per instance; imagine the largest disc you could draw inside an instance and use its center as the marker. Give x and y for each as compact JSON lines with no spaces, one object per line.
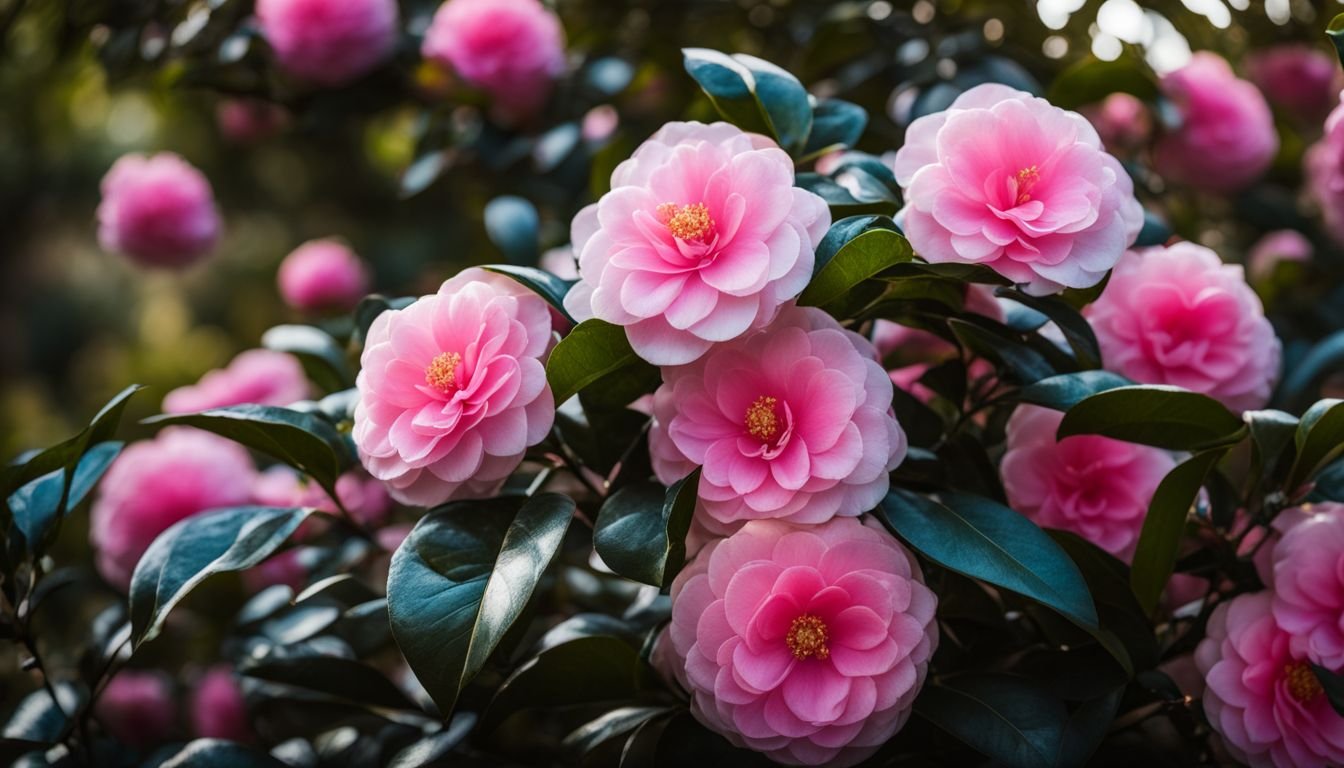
{"x":323,"y":275}
{"x":807,"y":643}
{"x":260,"y":376}
{"x":218,"y":710}
{"x":1309,"y":585}
{"x":329,"y":42}
{"x":1302,"y":80}
{"x":157,"y":210}
{"x":452,"y":389}
{"x":1324,"y":167}
{"x":137,"y":708}
{"x":702,"y":237}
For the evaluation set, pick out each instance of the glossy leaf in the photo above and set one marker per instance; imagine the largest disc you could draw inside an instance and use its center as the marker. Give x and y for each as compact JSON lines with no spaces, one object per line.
{"x":1271,"y":434}
{"x":436,"y":749}
{"x":36,"y":507}
{"x":835,"y":123}
{"x":1302,"y":378}
{"x":1319,"y":441}
{"x":332,"y":675}
{"x":217,"y":753}
{"x":1011,"y":720}
{"x":1160,"y":539}
{"x":1160,"y":416}
{"x":1091,"y":80}
{"x":540,"y":282}
{"x":610,"y":725}
{"x":1154,"y":232}
{"x":1023,"y":363}
{"x":322,"y":357}
{"x":585,"y":670}
{"x":860,"y":258}
{"x":754,"y":94}
{"x":1066,"y":390}
{"x":640,"y":532}
{"x":593,"y":350}
{"x":513,"y":225}
{"x":1335,"y":31}
{"x":65,"y":455}
{"x":1077,"y":332}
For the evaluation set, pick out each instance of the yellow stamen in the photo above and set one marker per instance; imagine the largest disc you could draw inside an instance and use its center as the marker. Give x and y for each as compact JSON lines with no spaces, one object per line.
{"x":807,"y":638}
{"x":1302,"y":682}
{"x":1026,"y":179}
{"x":686,"y":222}
{"x":762,"y":423}
{"x":442,"y":371}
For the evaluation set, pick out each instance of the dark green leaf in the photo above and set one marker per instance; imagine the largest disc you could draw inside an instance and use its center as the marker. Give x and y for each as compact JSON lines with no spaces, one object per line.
{"x":435,"y":750}
{"x":966,"y":273}
{"x":860,"y":198}
{"x":1333,"y":684}
{"x":640,"y":531}
{"x":1077,"y":332}
{"x":1319,"y":441}
{"x":754,"y":94}
{"x":512,"y":224}
{"x":462,"y":577}
{"x":335,"y":676}
{"x":65,"y":455}
{"x":1154,"y":231}
{"x":1091,"y":80}
{"x":218,"y":753}
{"x":598,"y":668}
{"x":1160,"y":540}
{"x":1301,"y":380}
{"x":1335,"y":31}
{"x":322,"y":357}
{"x":1066,"y":390}
{"x":37,"y":506}
{"x":40,"y":718}
{"x":540,"y":282}
{"x":1025,"y":364}
{"x":593,"y":350}
{"x":835,"y":124}
{"x":12,"y":749}
{"x":1160,"y":416}
{"x":857,"y":260}
{"x":1086,"y":728}
{"x":1117,"y":607}
{"x":1271,"y":434}
{"x":613,"y":724}
{"x":1009,"y":719}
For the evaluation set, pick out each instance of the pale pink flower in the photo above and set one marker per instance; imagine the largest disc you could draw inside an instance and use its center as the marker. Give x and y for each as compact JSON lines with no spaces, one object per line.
{"x":1261,"y":696}
{"x":155,"y":483}
{"x":218,"y":710}
{"x":1226,"y":138}
{"x":1178,"y":315}
{"x":1122,"y":121}
{"x":1309,"y":585}
{"x":1301,"y":79}
{"x":1094,"y":486}
{"x":807,"y":643}
{"x":512,"y":49}
{"x":329,"y":42}
{"x":245,"y":121}
{"x":702,"y":237}
{"x":452,"y":389}
{"x":792,"y":421}
{"x":1324,"y":167}
{"x":157,"y":210}
{"x":1007,"y":180}
{"x":260,"y":376}
{"x":322,"y":275}
{"x":1275,"y":247}
{"x":137,"y":708}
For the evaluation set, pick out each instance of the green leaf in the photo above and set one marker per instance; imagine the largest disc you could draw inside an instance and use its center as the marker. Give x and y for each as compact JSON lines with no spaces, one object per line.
{"x":1091,"y":80}
{"x":40,"y":718}
{"x":857,"y":260}
{"x":197,"y":548}
{"x":609,"y":725}
{"x":1087,"y":727}
{"x":1335,"y":31}
{"x":335,"y":676}
{"x":985,"y":540}
{"x":1160,"y":540}
{"x":36,"y":507}
{"x":322,"y":357}
{"x":1319,"y":441}
{"x":217,"y":753}
{"x":1154,"y":232}
{"x":1077,"y":332}
{"x":753,"y":94}
{"x":835,"y":124}
{"x":863,"y":197}
{"x":594,"y":350}
{"x":512,"y":224}
{"x":1118,"y":609}
{"x":1025,"y":364}
{"x":1066,"y":390}
{"x":1271,"y":434}
{"x":1011,"y":720}
{"x":435,"y":749}
{"x":1160,"y":416}
{"x":66,"y":455}
{"x":540,"y":282}
{"x":1332,"y":682}
{"x":462,"y":577}
{"x":640,"y":532}
{"x":588,"y":670}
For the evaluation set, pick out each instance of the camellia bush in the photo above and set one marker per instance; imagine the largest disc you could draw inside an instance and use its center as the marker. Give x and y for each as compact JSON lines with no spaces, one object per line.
{"x":794,"y":427}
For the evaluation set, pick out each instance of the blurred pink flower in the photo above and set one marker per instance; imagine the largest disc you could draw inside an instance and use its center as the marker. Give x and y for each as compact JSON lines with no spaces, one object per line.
{"x":155,"y":483}
{"x":1261,"y":696}
{"x":1275,"y":247}
{"x":453,"y":390}
{"x":1226,"y":139}
{"x":329,"y":42}
{"x":1122,"y":121}
{"x":157,"y":210}
{"x":288,"y":567}
{"x":701,"y":238}
{"x":600,"y":122}
{"x":513,"y":49}
{"x":244,"y":121}
{"x":1301,"y":79}
{"x":1094,"y":486}
{"x":1309,"y":585}
{"x":792,"y":421}
{"x":806,"y":643}
{"x":1324,"y":167}
{"x":218,"y":710}
{"x":323,"y":275}
{"x":260,"y":376}
{"x":1009,"y":181}
{"x":364,"y":497}
{"x":1178,"y":315}
{"x":137,"y":708}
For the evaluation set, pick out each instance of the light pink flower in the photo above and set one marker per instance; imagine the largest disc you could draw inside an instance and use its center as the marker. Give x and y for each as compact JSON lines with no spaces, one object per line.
{"x":260,"y":376}
{"x":1178,"y":315}
{"x":245,"y":121}
{"x":137,"y":708}
{"x":453,"y":390}
{"x":1004,"y":179}
{"x":1324,"y":167}
{"x":1226,"y":139}
{"x":513,"y":49}
{"x":218,"y":710}
{"x":1097,"y":487}
{"x":792,"y":421}
{"x":1122,"y":121}
{"x":701,"y":238}
{"x":322,"y":275}
{"x":1278,"y":246}
{"x":157,"y":210}
{"x":158,"y":482}
{"x":1309,"y":585}
{"x":806,"y":643}
{"x":1301,"y":79}
{"x":1263,"y":698}
{"x":329,"y":42}
{"x":365,"y":498}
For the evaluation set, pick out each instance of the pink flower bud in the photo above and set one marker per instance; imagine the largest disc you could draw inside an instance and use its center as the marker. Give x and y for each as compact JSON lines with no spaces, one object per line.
{"x":157,"y":210}
{"x":323,"y":275}
{"x":137,"y":707}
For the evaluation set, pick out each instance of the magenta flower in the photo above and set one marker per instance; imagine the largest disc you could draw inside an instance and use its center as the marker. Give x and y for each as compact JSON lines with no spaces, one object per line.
{"x":512,"y":49}
{"x":806,"y":643}
{"x":157,"y":210}
{"x":322,"y":275}
{"x":217,"y":709}
{"x":1324,"y":167}
{"x":1261,"y":696}
{"x":701,"y":238}
{"x":1178,"y":315}
{"x":452,"y":389}
{"x":1097,"y":487}
{"x":1226,"y":138}
{"x":260,"y":376}
{"x":137,"y":708}
{"x":156,"y":483}
{"x":1301,"y":79}
{"x":1309,"y":585}
{"x":329,"y":42}
{"x":792,"y":421}
{"x":1006,"y":180}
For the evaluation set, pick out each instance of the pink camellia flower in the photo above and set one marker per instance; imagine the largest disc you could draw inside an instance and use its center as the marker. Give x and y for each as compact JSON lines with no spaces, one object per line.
{"x":1324,"y":167}
{"x":792,"y":421}
{"x":329,"y":42}
{"x":157,"y":210}
{"x":137,"y":708}
{"x":1004,"y":179}
{"x":322,"y":275}
{"x":701,"y":238}
{"x":1301,"y":79}
{"x":1178,"y":315}
{"x":807,"y":643}
{"x":1226,"y":139}
{"x":1261,"y":696}
{"x":260,"y":376}
{"x":1309,"y":585}
{"x":365,"y":498}
{"x":158,"y":482}
{"x":218,"y":710}
{"x":1276,"y":247}
{"x":513,"y":49}
{"x":1122,"y":121}
{"x":452,"y":389}
{"x":1097,"y":487}
{"x":244,"y":121}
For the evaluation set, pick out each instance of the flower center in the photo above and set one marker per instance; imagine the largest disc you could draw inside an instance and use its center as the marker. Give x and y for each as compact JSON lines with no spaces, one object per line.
{"x":687,"y":222}
{"x":1026,"y":179}
{"x":442,"y":371}
{"x":807,"y":638}
{"x":762,"y":423}
{"x":1302,"y":682}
